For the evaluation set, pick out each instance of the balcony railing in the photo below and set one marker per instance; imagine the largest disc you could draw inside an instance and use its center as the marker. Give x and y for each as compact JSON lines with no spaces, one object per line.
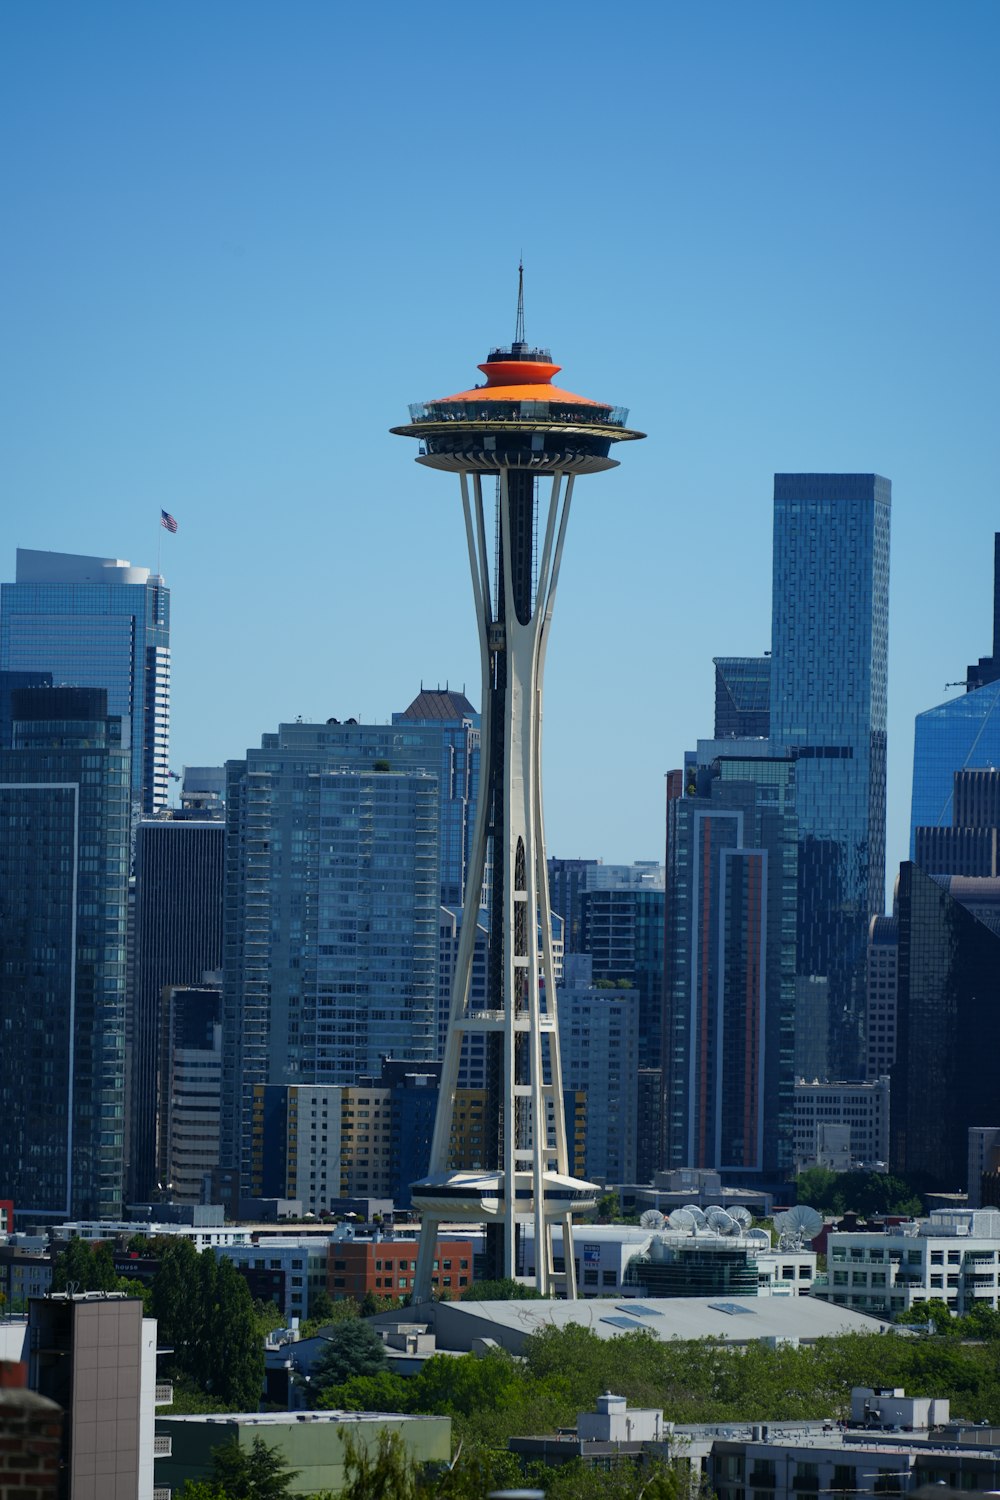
{"x":162,"y":1445}
{"x":163,"y":1393}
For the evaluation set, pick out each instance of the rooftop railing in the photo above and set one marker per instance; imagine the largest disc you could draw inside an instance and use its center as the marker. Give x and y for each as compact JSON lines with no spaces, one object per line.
{"x":518,"y":411}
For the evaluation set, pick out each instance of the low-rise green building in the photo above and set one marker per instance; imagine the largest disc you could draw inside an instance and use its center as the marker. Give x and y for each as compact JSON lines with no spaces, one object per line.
{"x":312,"y":1442}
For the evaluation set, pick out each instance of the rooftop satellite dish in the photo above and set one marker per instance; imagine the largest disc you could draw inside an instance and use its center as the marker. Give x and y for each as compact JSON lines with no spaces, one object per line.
{"x":696,"y":1214}
{"x":743,"y":1217}
{"x":682,"y":1220}
{"x":803,"y":1221}
{"x":780,"y":1222}
{"x":720,"y":1221}
{"x":758,"y":1239}
{"x":652,"y":1219}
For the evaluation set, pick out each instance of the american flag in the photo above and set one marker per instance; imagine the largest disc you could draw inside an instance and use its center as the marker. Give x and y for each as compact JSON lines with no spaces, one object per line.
{"x":167,"y":520}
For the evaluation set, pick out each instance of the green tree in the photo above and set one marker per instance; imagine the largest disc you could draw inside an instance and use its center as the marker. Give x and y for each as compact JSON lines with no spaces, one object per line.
{"x":257,"y":1473}
{"x":372,"y":1303}
{"x":506,"y":1289}
{"x":322,"y":1308}
{"x":386,"y":1472}
{"x":90,"y":1268}
{"x":383,"y":1391}
{"x":353,"y":1349}
{"x":820,"y":1188}
{"x":234,"y":1353}
{"x":206,"y":1315}
{"x":609,"y":1208}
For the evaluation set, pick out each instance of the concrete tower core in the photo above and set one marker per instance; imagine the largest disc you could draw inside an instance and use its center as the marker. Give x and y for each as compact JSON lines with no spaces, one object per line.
{"x":531,"y":439}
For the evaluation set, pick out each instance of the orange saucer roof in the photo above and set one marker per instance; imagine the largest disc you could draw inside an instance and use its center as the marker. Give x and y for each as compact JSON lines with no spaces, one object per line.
{"x":520,"y":380}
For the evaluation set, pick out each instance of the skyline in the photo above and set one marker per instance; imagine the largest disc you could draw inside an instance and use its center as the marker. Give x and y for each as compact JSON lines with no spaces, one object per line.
{"x":772,"y":243}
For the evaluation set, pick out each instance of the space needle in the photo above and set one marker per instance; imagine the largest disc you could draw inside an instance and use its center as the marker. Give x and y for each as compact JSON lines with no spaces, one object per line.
{"x":528,"y":440}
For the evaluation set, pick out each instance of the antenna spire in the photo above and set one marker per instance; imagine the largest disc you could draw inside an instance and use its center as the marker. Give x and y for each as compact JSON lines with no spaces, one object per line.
{"x":519,"y":328}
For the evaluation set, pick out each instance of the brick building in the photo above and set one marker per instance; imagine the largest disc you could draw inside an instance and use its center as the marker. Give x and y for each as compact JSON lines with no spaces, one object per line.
{"x":387,"y":1267}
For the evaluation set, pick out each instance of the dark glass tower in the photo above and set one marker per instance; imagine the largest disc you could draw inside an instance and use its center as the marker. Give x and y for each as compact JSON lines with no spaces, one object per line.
{"x":948,"y":1023}
{"x":64,"y":850}
{"x":178,"y":937}
{"x":830,"y":629}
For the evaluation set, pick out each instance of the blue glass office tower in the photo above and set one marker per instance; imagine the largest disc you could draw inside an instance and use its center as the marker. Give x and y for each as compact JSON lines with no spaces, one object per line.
{"x":330,"y":912}
{"x":962,"y":734}
{"x":98,"y":622}
{"x":64,"y":850}
{"x":830,"y":630}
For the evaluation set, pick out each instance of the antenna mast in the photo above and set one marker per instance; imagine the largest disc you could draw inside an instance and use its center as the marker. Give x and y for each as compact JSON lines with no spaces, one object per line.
{"x":519,"y":327}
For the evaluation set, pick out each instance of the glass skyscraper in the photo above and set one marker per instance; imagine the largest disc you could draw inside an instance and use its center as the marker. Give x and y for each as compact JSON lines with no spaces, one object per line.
{"x":97,"y":622}
{"x":830,"y":625}
{"x":742,"y":697}
{"x":64,"y":854}
{"x":331,"y":908}
{"x":962,"y":734}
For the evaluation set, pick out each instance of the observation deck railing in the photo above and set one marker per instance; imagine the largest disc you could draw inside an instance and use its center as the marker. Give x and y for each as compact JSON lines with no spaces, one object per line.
{"x":518,"y":411}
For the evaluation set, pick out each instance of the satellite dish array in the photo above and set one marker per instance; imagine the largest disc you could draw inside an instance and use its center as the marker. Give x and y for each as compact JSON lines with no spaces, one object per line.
{"x":794,"y":1227}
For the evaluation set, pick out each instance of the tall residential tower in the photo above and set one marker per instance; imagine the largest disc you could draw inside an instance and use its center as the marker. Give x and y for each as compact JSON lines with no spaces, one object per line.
{"x":528,"y":440}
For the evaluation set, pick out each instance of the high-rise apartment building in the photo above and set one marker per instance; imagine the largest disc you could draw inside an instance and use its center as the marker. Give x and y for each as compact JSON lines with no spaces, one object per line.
{"x":728,"y":1053}
{"x":458,"y":723}
{"x":97,"y":622}
{"x":567,"y":883}
{"x":323,"y":1142}
{"x":64,"y":857}
{"x":830,"y":620}
{"x":331,"y":911}
{"x":742,"y":697}
{"x":177,"y":938}
{"x":599,"y":1043}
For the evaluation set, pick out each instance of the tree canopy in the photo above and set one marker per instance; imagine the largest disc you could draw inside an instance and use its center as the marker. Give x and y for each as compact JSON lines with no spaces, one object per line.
{"x":207,"y":1317}
{"x":863,"y":1193}
{"x":354,"y":1349}
{"x":255,"y":1473}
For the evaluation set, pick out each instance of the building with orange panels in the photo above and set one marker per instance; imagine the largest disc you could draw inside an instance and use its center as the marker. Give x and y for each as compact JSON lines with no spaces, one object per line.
{"x":389,"y":1267}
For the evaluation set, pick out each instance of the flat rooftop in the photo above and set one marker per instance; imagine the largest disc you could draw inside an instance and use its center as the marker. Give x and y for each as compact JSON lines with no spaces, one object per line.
{"x":731,"y":1320}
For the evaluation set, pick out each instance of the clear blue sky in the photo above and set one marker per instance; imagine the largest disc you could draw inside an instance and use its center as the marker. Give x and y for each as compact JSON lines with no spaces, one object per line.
{"x":239,"y":237}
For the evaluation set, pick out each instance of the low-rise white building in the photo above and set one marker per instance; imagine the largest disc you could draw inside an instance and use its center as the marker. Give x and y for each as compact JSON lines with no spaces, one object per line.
{"x":201,"y":1236}
{"x":954,"y":1255}
{"x":629,"y":1260}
